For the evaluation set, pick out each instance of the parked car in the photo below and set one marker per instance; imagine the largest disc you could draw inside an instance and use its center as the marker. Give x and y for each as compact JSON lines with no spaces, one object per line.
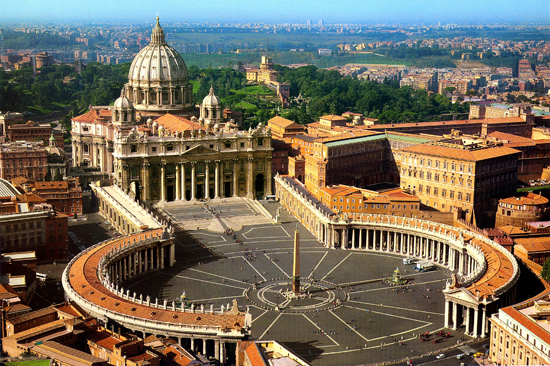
{"x":440,"y":356}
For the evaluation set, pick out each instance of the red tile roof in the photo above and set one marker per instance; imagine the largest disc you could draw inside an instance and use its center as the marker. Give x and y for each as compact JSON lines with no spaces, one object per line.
{"x":461,"y":154}
{"x":176,"y":123}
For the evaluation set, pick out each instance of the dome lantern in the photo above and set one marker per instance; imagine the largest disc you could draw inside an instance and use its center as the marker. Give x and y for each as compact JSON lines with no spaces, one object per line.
{"x":158,"y":80}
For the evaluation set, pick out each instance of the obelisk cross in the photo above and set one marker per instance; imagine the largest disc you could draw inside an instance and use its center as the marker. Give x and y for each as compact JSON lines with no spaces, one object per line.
{"x":296,"y":265}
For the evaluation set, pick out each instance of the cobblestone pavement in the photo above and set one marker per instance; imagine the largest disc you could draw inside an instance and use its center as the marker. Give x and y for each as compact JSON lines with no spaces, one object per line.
{"x":350,"y":317}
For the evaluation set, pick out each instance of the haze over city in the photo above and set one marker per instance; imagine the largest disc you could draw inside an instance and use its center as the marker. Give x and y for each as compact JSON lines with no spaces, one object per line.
{"x":347,"y":11}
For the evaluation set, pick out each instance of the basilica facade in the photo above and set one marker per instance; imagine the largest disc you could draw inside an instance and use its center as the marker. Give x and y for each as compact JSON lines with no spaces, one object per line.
{"x":154,"y":146}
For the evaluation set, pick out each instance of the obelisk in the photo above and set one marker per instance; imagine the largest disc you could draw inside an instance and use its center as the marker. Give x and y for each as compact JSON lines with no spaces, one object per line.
{"x":296,"y":265}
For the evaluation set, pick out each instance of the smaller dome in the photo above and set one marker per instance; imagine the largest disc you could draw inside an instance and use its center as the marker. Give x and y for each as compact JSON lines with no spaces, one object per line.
{"x":210,"y":100}
{"x":123,"y":103}
{"x":155,"y":124}
{"x":149,"y":122}
{"x":161,"y":128}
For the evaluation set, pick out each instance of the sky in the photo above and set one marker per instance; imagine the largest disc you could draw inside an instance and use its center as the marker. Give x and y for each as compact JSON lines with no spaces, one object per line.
{"x":278,"y":11}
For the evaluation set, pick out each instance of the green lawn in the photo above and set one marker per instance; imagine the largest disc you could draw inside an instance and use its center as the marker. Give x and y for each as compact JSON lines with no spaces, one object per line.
{"x":29,"y":363}
{"x":536,"y":188}
{"x":253,"y":90}
{"x":246,"y":105}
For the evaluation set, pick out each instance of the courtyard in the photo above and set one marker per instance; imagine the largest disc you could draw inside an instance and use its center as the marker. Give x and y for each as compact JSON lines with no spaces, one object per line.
{"x":233,"y":249}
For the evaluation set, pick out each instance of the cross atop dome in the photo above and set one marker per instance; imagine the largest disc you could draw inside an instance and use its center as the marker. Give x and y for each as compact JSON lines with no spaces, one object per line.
{"x":157,"y":36}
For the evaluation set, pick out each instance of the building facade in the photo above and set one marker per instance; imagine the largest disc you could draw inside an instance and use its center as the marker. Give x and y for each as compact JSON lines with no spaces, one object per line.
{"x":517,"y":211}
{"x":519,"y":334}
{"x":27,"y":159}
{"x":450,"y":175}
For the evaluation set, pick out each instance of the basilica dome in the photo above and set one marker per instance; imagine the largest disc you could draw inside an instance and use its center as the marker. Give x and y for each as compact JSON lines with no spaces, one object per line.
{"x":158,"y":79}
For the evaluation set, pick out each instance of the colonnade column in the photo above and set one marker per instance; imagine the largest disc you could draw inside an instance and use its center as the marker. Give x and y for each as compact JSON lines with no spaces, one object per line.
{"x":483,"y":323}
{"x":476,"y":319}
{"x":217,"y":181}
{"x":146,"y":260}
{"x":447,"y":314}
{"x":162,"y":182}
{"x":353,"y":238}
{"x":455,"y":316}
{"x":468,"y":316}
{"x":360,"y":238}
{"x":172,"y":254}
{"x":193,"y":172}
{"x":207,"y":179}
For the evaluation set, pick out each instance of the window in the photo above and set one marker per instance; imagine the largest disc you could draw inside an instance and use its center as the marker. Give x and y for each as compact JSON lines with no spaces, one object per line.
{"x":154,"y":149}
{"x":242,"y":145}
{"x":133,"y":148}
{"x":228,"y":145}
{"x":260,"y":142}
{"x":169,"y":148}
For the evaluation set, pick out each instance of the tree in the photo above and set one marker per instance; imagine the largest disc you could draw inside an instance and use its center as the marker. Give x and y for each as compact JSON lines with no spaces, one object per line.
{"x":57,"y":177}
{"x":545,"y":272}
{"x":48,"y":176}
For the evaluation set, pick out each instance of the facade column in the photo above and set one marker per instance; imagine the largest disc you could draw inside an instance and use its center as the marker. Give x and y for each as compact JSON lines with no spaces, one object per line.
{"x":182,"y":184}
{"x":217,"y":350}
{"x":178,"y":181}
{"x":207,"y":180}
{"x":268,"y":176}
{"x":460,"y":262}
{"x":455,"y":316}
{"x":217,"y":183}
{"x":162,"y":253}
{"x":193,"y":178}
{"x":140,"y":262}
{"x":145,"y":185}
{"x":476,"y":319}
{"x":235,"y":178}
{"x":360,"y":238}
{"x":353,"y":238}
{"x":162,"y":182}
{"x":250,"y":179}
{"x":222,"y":352}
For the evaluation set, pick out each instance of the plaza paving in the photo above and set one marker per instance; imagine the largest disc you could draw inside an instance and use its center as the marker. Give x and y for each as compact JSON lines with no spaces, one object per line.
{"x":374,"y":322}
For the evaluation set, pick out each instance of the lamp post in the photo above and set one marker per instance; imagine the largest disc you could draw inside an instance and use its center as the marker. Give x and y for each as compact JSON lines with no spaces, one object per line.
{"x":277,"y":297}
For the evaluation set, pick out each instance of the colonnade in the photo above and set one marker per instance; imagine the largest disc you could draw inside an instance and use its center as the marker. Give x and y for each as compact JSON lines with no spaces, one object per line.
{"x":436,"y":243}
{"x":141,"y":260}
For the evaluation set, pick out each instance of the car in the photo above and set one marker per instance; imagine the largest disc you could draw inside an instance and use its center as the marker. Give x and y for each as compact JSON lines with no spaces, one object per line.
{"x":478,"y":354}
{"x":440,"y":356}
{"x":460,"y":356}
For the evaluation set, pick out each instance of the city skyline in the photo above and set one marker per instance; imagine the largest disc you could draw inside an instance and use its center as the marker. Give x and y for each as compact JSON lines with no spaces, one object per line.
{"x":367,"y":12}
